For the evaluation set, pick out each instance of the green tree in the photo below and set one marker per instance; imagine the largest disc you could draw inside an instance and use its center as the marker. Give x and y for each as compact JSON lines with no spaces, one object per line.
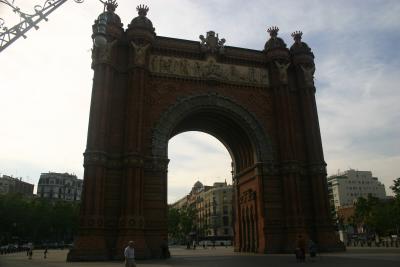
{"x":378,"y":216}
{"x":174,"y":223}
{"x":396,"y":187}
{"x":180,"y":222}
{"x":187,"y":219}
{"x":24,"y":219}
{"x":396,"y":205}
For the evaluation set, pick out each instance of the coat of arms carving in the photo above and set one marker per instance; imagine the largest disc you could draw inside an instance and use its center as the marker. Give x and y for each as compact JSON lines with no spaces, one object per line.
{"x":212,"y":43}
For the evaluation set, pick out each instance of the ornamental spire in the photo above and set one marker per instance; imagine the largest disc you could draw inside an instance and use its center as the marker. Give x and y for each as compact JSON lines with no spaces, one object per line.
{"x":273,"y":31}
{"x":110,"y":5}
{"x":142,"y":10}
{"x":297,"y":36}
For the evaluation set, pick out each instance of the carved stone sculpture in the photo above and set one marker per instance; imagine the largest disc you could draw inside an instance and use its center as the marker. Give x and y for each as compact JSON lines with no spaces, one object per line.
{"x":282,"y":69}
{"x":308,"y":75}
{"x":140,"y":53}
{"x":188,"y":68}
{"x":103,"y":53}
{"x":212,"y":43}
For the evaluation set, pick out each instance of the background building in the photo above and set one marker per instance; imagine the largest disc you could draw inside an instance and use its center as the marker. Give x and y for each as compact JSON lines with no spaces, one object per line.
{"x":62,"y":186}
{"x":10,"y":184}
{"x":344,"y":188}
{"x":213,"y":205}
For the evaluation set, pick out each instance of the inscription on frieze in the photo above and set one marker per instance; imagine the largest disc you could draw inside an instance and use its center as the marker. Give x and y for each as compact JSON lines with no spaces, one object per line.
{"x":208,"y":69}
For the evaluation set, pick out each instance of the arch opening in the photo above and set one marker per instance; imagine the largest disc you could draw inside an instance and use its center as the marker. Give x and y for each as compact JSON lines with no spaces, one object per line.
{"x":226,"y":130}
{"x":245,"y":140}
{"x":196,"y":157}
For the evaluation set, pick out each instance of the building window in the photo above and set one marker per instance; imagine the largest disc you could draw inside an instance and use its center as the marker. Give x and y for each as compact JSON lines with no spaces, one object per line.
{"x":225,"y":209}
{"x":225,"y":220}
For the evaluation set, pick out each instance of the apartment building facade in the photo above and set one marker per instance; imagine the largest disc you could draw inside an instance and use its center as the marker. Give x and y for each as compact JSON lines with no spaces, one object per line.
{"x":62,"y":186}
{"x":344,"y":188}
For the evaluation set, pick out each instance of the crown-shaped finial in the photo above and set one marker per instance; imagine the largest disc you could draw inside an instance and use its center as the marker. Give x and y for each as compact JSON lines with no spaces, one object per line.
{"x":142,"y":10}
{"x":273,"y":31}
{"x":297,"y":36}
{"x":110,"y":5}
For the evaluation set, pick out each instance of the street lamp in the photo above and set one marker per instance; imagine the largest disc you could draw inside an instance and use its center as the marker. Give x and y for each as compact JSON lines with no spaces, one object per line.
{"x":99,"y":36}
{"x":29,"y":21}
{"x":100,"y":28}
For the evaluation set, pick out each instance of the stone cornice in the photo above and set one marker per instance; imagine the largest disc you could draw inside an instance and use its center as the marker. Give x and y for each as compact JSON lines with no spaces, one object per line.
{"x":173,"y":46}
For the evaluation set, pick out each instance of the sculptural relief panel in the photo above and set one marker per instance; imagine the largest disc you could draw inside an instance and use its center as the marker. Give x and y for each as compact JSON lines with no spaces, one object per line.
{"x":208,"y":69}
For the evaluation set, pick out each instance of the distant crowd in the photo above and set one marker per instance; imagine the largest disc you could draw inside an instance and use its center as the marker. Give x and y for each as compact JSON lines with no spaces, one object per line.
{"x":13,"y":249}
{"x":373,"y":243}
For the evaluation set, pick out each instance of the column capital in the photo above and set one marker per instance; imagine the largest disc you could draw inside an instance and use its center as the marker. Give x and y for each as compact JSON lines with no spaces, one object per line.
{"x":156,"y":164}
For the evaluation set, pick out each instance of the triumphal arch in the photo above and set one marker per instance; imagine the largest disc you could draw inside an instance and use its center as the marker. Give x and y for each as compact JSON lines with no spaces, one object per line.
{"x":259,"y":103}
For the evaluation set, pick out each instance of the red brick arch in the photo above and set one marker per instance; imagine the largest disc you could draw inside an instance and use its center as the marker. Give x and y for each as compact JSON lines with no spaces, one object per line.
{"x":259,"y":103}
{"x":238,"y":129}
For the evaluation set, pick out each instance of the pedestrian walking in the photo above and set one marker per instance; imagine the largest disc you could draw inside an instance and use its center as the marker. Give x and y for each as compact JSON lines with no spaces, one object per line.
{"x":312,"y":248}
{"x":165,"y":254}
{"x":45,"y":253}
{"x":30,"y":251}
{"x":129,"y":254}
{"x":300,"y":250}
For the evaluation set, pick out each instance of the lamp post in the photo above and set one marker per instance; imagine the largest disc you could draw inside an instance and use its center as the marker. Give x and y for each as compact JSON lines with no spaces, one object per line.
{"x":99,"y":36}
{"x":100,"y":29}
{"x":31,"y":20}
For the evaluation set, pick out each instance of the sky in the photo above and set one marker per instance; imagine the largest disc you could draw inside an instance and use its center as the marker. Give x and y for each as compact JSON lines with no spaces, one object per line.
{"x":46,"y":79}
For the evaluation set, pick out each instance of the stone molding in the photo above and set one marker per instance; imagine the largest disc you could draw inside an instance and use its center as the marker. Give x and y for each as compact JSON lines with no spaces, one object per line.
{"x":317,"y":168}
{"x":155,"y":164}
{"x":289,"y":167}
{"x":95,"y":158}
{"x":93,"y":221}
{"x":132,"y":222}
{"x":269,"y":168}
{"x":133,"y":160}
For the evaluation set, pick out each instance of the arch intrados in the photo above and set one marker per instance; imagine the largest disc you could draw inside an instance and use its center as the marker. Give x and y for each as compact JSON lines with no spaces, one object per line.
{"x":172,"y":122}
{"x":216,"y":136}
{"x":230,"y":133}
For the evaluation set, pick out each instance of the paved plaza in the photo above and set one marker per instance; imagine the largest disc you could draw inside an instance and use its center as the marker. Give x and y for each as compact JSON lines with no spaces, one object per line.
{"x":220,"y":257}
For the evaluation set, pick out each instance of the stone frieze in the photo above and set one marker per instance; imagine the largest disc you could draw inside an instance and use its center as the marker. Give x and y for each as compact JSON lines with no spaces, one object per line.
{"x":208,"y":69}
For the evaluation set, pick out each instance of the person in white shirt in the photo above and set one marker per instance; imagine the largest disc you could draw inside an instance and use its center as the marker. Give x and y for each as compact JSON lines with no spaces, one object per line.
{"x":129,"y":254}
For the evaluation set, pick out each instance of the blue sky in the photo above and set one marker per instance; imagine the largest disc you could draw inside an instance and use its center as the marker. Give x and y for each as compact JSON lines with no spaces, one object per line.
{"x":43,"y":122}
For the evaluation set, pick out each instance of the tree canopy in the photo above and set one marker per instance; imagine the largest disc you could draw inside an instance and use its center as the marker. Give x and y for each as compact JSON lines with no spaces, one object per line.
{"x":180,"y":222}
{"x":378,"y":216}
{"x":37,"y":220}
{"x":396,"y":187}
